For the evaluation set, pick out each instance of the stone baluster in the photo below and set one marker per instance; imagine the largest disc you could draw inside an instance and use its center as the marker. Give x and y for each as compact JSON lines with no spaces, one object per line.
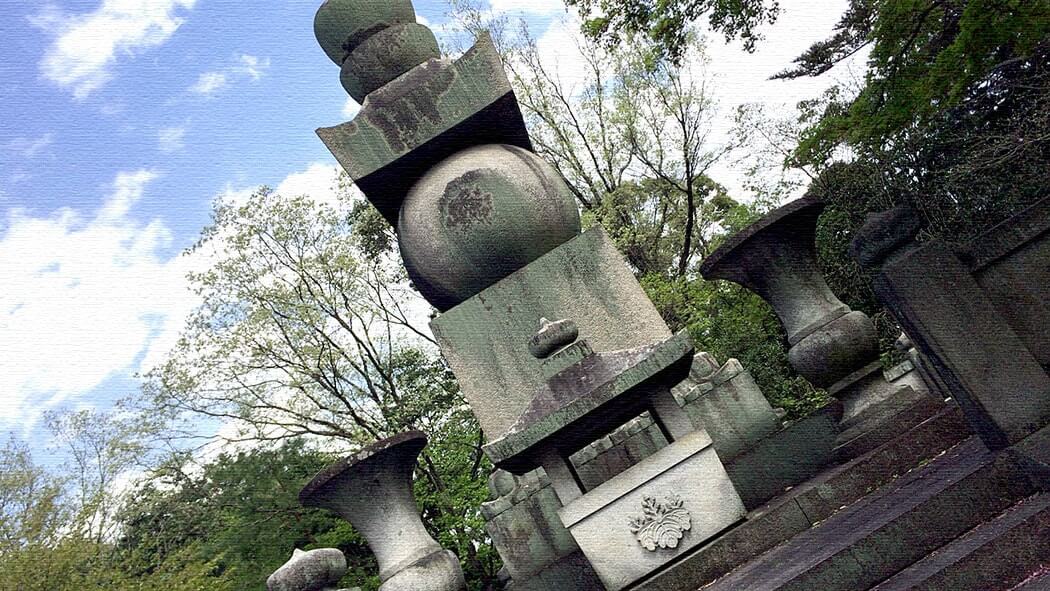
{"x":372,"y":489}
{"x":832,"y":346}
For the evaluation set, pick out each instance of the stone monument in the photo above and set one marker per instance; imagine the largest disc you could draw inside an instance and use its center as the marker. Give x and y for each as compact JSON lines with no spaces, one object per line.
{"x":372,"y":489}
{"x":553,"y":341}
{"x":832,"y":346}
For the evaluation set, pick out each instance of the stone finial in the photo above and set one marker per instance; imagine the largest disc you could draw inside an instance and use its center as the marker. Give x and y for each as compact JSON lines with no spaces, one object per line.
{"x":316,"y":570}
{"x":552,"y":337}
{"x":374,"y":41}
{"x":884,"y":233}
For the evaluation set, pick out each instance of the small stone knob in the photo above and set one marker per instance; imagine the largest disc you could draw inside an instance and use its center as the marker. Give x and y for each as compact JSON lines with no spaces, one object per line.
{"x":316,"y":570}
{"x":374,"y":41}
{"x":552,"y":337}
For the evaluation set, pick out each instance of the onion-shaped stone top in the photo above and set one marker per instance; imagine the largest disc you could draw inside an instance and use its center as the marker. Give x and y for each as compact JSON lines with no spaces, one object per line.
{"x":341,"y":25}
{"x":372,"y":489}
{"x":776,"y":258}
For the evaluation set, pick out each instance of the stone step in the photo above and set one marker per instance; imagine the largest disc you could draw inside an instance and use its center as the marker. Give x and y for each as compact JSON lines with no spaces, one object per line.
{"x":818,"y":499}
{"x":996,"y":555}
{"x":890,"y":529}
{"x":1035,"y":583}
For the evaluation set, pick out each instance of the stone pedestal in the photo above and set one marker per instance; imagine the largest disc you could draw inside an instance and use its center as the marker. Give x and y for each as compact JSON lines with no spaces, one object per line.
{"x":373,"y":491}
{"x":831,"y":346}
{"x":655,"y":512}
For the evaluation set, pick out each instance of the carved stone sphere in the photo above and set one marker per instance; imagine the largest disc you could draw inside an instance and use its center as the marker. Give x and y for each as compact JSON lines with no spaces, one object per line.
{"x":480,"y":215}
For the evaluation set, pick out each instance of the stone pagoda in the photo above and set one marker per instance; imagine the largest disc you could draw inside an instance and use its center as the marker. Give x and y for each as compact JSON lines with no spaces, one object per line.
{"x":553,"y":341}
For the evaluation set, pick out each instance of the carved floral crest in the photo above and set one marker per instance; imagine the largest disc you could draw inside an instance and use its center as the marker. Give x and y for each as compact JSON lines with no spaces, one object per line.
{"x":662,"y":525}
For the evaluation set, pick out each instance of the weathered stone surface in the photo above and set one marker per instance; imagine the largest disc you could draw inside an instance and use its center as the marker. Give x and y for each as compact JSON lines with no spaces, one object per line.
{"x":372,"y":489}
{"x":485,"y":339}
{"x":1010,"y":262}
{"x":386,"y":55}
{"x":815,"y":501}
{"x":988,"y":368}
{"x":422,"y":117}
{"x":480,"y":215}
{"x":776,"y":258}
{"x":726,"y":402}
{"x":341,"y":25}
{"x":580,"y":403}
{"x":316,"y":570}
{"x":786,"y":458}
{"x":995,"y":555}
{"x":831,"y":346}
{"x":439,"y":571}
{"x":654,"y":512}
{"x":889,"y":530}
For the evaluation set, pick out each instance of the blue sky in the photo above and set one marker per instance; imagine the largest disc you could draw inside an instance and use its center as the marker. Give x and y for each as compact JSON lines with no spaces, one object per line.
{"x":122,"y":121}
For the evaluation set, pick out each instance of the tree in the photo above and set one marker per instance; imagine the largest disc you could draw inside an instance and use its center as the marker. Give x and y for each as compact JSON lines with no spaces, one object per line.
{"x":954,"y":114}
{"x":301,"y":333}
{"x":632,"y":138}
{"x":665,"y":24}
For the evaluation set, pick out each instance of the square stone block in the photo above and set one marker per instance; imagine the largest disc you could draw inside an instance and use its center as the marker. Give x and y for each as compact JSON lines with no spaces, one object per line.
{"x":655,"y":512}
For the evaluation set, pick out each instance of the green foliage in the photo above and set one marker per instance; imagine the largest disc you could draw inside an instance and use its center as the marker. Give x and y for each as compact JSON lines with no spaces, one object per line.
{"x":665,"y":23}
{"x":955,"y":111}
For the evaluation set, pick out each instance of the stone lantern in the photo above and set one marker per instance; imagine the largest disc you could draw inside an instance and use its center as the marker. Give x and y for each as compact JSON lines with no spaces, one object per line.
{"x":372,"y":489}
{"x":832,"y":346}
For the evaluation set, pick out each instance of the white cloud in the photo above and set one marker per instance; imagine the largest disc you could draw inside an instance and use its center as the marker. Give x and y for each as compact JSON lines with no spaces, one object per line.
{"x":86,"y":46}
{"x":351,"y":108}
{"x":170,"y":139}
{"x":209,"y":83}
{"x":246,"y":66}
{"x":531,"y":7}
{"x":83,"y":297}
{"x":30,"y":148}
{"x":254,"y":67}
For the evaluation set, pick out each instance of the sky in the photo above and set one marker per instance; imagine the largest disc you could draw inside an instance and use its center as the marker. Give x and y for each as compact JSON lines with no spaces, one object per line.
{"x":122,"y":121}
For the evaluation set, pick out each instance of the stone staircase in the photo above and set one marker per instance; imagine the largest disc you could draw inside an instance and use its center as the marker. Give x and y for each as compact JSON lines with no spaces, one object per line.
{"x":932,"y":510}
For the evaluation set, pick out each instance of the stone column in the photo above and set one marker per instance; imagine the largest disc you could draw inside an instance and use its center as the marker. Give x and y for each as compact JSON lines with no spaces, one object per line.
{"x":372,"y":489}
{"x":832,"y":346}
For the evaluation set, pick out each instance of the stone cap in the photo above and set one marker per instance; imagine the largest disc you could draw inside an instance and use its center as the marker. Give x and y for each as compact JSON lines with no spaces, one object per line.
{"x":316,"y":570}
{"x":409,"y":443}
{"x":582,"y":402}
{"x":805,"y":211}
{"x":883,"y":233}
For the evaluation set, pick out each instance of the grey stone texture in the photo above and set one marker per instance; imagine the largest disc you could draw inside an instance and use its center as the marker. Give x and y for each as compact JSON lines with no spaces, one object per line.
{"x":724,"y":400}
{"x":422,"y":117}
{"x":480,"y":215}
{"x":385,"y":56}
{"x":654,"y":512}
{"x":978,"y":317}
{"x":831,"y":346}
{"x":372,"y":489}
{"x":812,"y":503}
{"x":342,"y":25}
{"x":316,"y":570}
{"x":485,"y":339}
{"x":890,"y":530}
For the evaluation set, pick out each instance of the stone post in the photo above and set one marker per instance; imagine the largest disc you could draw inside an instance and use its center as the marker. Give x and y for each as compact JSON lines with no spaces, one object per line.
{"x":832,"y":346}
{"x":372,"y":489}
